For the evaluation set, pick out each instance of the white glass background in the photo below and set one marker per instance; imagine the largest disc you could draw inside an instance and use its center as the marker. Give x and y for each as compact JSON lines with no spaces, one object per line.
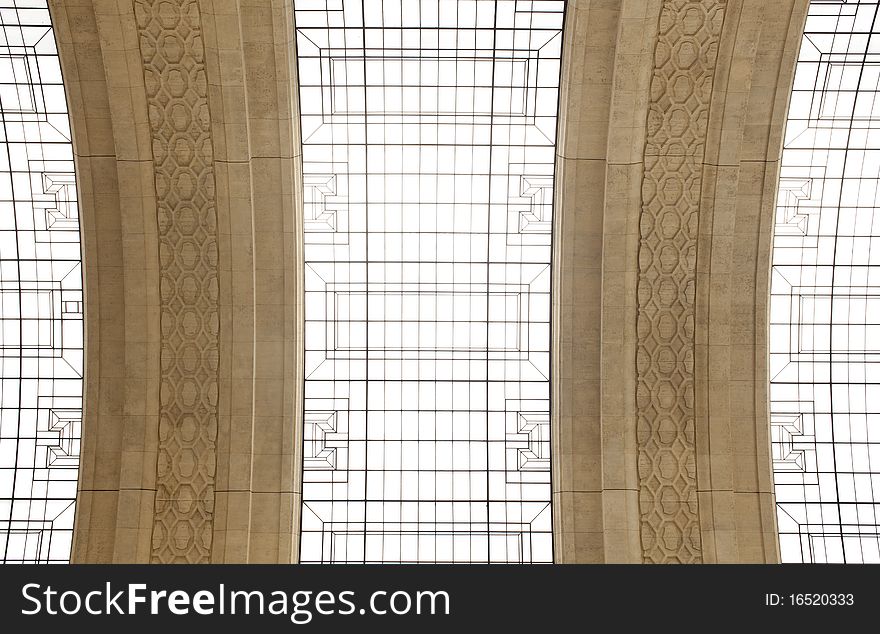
{"x":41,"y":299}
{"x":825,"y":304}
{"x":428,"y":149}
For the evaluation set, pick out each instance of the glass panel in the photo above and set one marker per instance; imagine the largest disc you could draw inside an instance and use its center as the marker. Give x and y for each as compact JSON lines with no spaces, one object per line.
{"x":825,"y":305}
{"x":428,"y":148}
{"x":41,"y":297}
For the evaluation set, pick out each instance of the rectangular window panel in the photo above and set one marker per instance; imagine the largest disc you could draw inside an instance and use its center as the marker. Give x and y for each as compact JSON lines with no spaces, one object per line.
{"x":428,"y":135}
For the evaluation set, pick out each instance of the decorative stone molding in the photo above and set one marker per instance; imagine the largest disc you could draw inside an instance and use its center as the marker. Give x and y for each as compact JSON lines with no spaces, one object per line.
{"x":176,"y":83}
{"x":681,"y":89}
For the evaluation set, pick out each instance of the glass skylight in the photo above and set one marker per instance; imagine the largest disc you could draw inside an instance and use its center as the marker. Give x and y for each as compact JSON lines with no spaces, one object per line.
{"x":41,"y":298}
{"x":428,"y":149}
{"x":825,"y":305}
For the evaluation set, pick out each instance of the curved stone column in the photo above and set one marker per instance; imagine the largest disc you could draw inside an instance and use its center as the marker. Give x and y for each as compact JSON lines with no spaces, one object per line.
{"x":187,"y":163}
{"x":670,"y":133}
{"x":104,"y":80}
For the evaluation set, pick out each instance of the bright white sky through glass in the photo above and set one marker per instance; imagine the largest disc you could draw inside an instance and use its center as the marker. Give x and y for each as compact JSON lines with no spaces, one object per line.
{"x":41,"y":300}
{"x":825,"y":305}
{"x":428,"y":150}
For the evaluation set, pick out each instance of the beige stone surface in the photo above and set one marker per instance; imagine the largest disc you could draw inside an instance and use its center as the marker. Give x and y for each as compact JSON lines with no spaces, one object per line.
{"x":234,"y":488}
{"x":605,"y":91}
{"x":757,"y":55}
{"x":100,"y":59}
{"x":172,"y":54}
{"x":252,"y":87}
{"x":680,"y":474}
{"x":682,"y":83}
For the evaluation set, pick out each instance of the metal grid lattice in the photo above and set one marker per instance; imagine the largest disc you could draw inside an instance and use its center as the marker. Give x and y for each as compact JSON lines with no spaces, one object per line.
{"x":41,"y":298}
{"x":825,"y":294}
{"x":428,"y":149}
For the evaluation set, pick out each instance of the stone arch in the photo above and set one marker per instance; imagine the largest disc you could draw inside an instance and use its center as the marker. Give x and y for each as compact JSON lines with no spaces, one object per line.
{"x":661,"y":448}
{"x":148,"y":491}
